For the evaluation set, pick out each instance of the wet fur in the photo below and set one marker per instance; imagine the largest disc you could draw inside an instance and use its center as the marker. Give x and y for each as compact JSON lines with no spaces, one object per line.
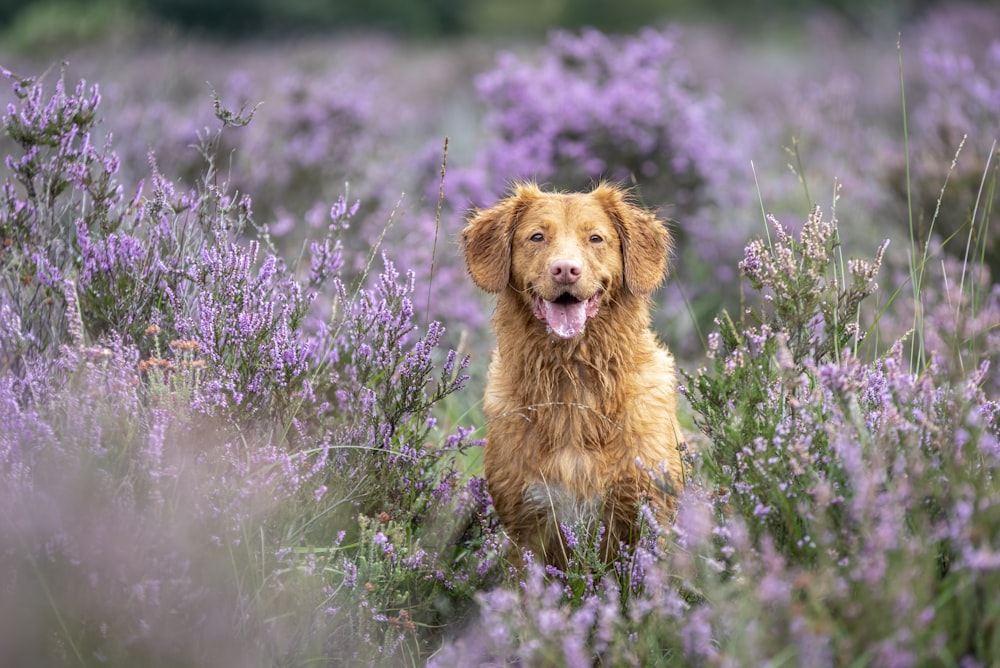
{"x":568,"y":418}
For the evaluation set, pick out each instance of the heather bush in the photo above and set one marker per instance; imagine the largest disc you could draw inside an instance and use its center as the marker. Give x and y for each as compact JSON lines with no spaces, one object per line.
{"x":852,"y":490}
{"x":204,"y":464}
{"x":639,"y":116}
{"x":952,"y":319}
{"x":327,"y":121}
{"x":850,"y":467}
{"x":173,"y":260}
{"x":812,"y":318}
{"x":312,"y":134}
{"x":948,"y":179}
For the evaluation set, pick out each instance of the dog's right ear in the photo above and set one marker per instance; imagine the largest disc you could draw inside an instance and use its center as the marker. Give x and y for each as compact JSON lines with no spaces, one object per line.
{"x":488,"y":236}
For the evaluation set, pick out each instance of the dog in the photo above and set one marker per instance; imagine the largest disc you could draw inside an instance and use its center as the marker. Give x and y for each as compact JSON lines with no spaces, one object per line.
{"x":580,"y":397}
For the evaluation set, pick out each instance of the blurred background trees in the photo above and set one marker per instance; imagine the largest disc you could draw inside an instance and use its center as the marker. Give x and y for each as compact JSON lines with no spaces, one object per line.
{"x":425,"y":18}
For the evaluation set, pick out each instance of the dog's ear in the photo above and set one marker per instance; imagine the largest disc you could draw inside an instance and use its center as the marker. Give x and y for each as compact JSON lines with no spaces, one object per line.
{"x":646,"y":241}
{"x":488,"y":236}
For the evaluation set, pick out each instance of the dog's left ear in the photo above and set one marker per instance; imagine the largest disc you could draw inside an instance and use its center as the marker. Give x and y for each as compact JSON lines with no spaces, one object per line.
{"x":488,"y":236}
{"x":646,"y":241}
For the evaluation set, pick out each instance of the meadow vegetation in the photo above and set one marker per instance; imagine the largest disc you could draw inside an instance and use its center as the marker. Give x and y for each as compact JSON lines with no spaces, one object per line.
{"x":240,"y":370}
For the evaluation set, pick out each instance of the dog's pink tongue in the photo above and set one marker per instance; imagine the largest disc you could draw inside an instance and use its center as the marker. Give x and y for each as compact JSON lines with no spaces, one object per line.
{"x":566,"y":320}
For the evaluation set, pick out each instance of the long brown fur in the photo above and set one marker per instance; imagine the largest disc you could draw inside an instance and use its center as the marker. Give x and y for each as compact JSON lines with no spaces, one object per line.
{"x":580,"y":426}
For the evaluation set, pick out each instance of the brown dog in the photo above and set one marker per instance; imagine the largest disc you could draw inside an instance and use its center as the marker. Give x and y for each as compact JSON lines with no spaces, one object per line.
{"x":581,"y":399}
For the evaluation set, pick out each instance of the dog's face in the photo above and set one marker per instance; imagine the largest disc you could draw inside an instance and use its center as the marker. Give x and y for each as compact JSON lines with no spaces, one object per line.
{"x":567,"y":255}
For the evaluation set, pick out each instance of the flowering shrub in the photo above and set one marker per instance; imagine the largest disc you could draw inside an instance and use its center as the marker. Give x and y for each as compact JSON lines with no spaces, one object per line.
{"x":952,"y":320}
{"x":637,"y":114}
{"x":187,"y":442}
{"x":951,"y":177}
{"x":312,"y":132}
{"x":813,"y":320}
{"x":852,"y":473}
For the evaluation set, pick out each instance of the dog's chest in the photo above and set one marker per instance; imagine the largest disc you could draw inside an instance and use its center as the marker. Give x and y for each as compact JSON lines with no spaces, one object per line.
{"x":570,"y":486}
{"x":575,"y":469}
{"x":562,"y":505}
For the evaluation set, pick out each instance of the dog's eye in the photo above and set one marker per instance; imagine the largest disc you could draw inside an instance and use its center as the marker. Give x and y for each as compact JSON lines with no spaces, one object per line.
{"x":537,"y":236}
{"x":596,"y":238}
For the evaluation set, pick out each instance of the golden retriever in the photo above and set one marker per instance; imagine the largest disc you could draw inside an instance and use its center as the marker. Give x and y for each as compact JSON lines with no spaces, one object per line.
{"x":580,"y":397}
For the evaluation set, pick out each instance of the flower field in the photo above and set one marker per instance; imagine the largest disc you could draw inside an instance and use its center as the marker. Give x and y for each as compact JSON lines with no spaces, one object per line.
{"x":241,"y":361}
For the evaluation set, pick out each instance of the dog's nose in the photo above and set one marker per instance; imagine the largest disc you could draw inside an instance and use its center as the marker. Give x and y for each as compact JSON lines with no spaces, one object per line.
{"x":565,"y":270}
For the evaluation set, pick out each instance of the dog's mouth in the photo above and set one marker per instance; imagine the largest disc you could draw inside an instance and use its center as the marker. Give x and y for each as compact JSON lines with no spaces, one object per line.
{"x":567,"y":315}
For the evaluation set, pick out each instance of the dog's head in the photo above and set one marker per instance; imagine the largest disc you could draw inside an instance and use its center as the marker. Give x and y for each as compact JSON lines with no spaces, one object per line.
{"x":568,"y":254}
